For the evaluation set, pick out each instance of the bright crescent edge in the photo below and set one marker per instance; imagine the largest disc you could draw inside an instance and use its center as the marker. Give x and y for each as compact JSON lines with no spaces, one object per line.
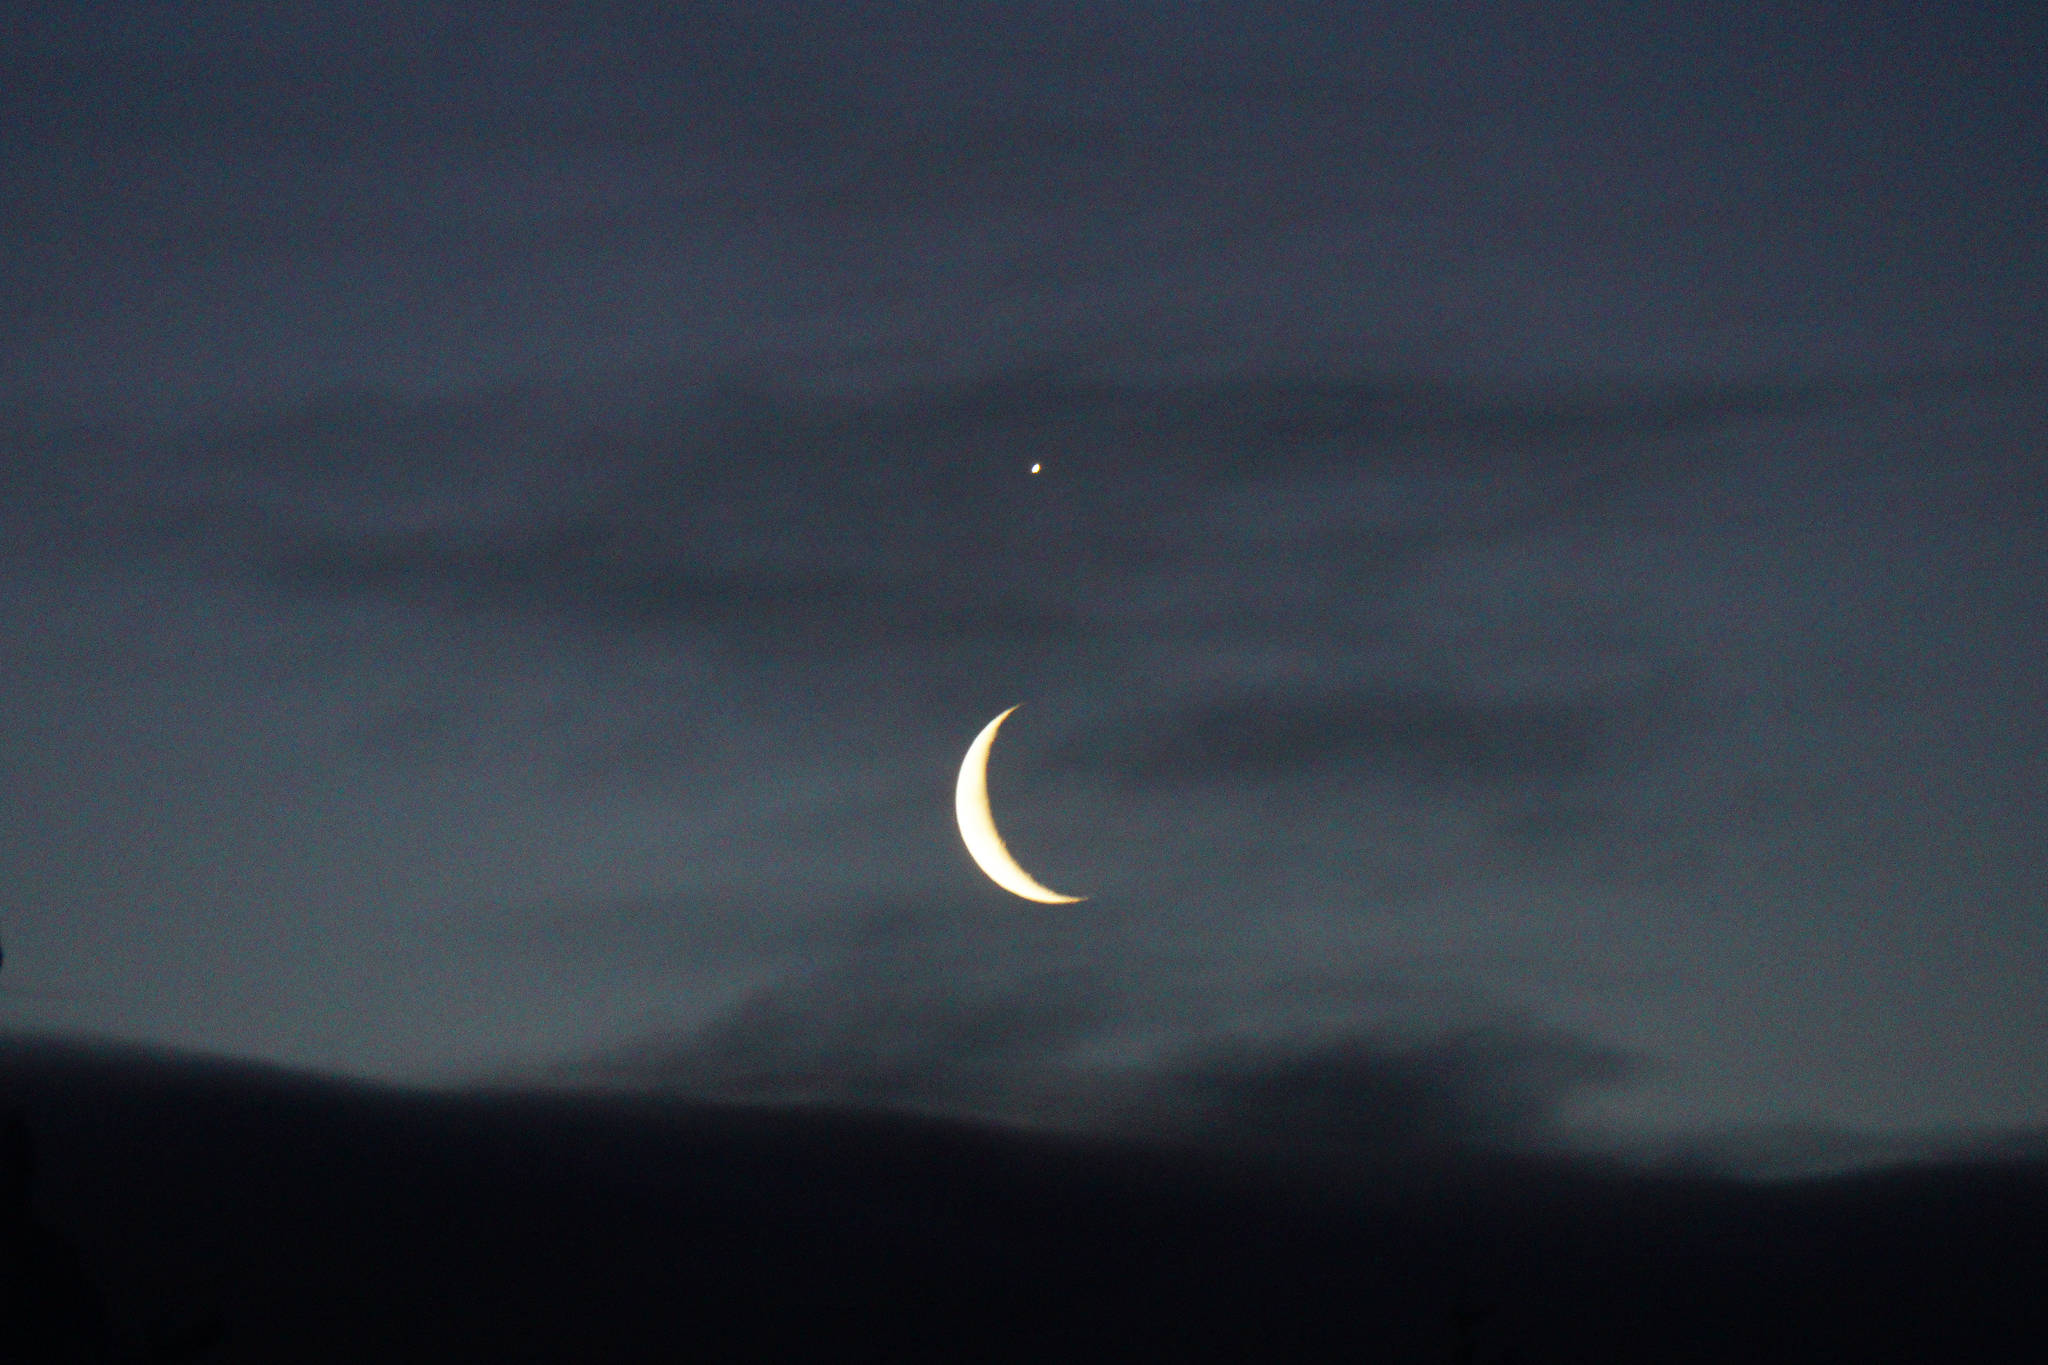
{"x":978,"y":825}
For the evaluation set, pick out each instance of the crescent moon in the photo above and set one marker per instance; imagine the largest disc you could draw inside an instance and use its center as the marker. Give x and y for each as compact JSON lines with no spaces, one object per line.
{"x":978,"y":825}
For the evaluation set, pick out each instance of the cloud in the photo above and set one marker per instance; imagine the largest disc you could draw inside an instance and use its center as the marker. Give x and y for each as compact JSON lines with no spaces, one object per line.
{"x":886,"y":1025}
{"x":1436,"y":737}
{"x":1492,"y":1088}
{"x":902,"y":512}
{"x":789,"y":522}
{"x":990,"y":1033}
{"x":605,"y":573}
{"x":805,"y":1044}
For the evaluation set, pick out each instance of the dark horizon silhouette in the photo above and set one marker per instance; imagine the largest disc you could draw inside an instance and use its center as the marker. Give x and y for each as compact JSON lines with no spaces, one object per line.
{"x":337,"y":1221}
{"x":50,"y":1309}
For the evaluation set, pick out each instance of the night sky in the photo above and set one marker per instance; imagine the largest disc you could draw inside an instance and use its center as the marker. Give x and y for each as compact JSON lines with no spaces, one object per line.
{"x":1529,"y":626}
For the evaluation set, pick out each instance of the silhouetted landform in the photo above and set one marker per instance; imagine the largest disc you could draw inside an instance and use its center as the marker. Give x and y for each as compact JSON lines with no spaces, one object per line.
{"x":236,"y":1214}
{"x":49,"y":1307}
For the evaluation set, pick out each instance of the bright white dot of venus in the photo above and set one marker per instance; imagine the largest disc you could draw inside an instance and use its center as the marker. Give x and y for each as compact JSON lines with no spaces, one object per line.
{"x":1036,"y":468}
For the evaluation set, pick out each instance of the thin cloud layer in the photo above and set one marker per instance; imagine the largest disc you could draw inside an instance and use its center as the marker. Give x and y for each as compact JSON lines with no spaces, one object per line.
{"x":916,"y":522}
{"x":1492,"y":1089}
{"x":1432,"y":738}
{"x":1044,"y":1047}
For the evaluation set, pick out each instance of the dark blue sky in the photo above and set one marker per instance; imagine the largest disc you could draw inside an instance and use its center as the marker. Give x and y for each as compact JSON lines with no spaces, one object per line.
{"x":511,"y":523}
